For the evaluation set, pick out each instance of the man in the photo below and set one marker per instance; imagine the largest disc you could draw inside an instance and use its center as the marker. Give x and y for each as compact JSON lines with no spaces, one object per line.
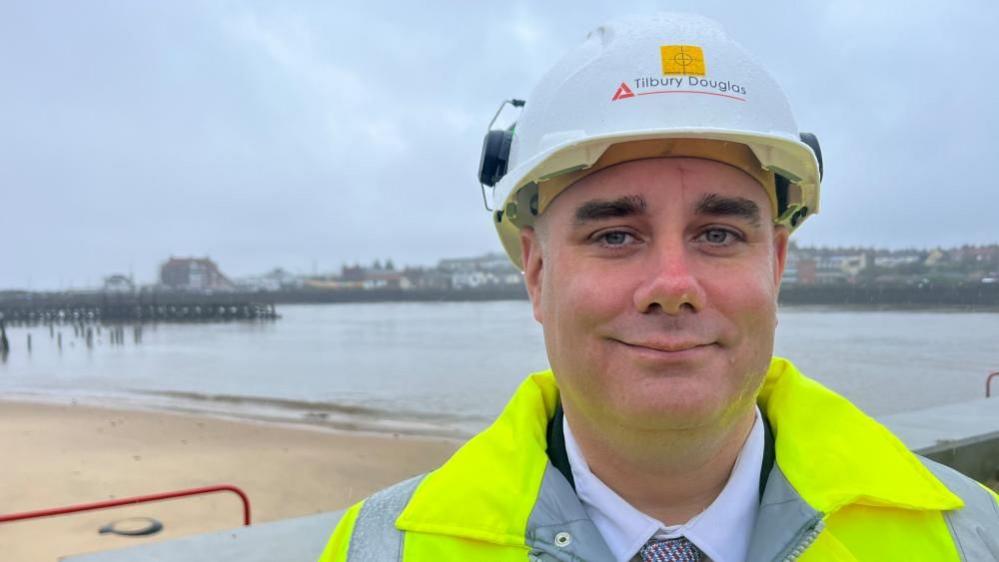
{"x":654,"y":178}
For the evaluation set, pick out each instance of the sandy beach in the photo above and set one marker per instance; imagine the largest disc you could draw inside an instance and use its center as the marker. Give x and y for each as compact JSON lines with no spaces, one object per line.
{"x":57,"y":455}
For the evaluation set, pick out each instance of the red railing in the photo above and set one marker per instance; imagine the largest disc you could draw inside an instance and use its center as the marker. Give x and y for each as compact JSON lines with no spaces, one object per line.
{"x":988,"y":384}
{"x":133,"y":500}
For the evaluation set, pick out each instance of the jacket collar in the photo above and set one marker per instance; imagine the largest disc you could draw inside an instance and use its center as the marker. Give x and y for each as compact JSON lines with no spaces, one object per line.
{"x":831,"y":453}
{"x":487,"y":490}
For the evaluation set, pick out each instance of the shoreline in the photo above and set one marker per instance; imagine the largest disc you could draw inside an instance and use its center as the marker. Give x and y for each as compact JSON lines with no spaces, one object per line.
{"x":61,"y":454}
{"x":294,"y":414}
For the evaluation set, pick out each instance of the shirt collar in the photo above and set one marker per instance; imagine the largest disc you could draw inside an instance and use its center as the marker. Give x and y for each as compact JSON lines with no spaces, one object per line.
{"x":722,"y":531}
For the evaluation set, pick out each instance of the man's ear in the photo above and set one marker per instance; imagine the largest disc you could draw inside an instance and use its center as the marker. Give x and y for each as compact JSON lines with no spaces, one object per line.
{"x":781,"y":236}
{"x":531,"y":257}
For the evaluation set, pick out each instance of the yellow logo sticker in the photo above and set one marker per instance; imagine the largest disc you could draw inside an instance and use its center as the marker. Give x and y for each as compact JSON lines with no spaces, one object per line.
{"x":682,"y":59}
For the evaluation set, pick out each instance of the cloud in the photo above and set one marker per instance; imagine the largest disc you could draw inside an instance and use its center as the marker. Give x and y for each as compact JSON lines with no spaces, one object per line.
{"x":269,"y":134}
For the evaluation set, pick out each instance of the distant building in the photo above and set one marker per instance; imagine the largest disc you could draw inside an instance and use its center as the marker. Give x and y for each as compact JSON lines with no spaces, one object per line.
{"x":822,"y":266}
{"x":352,"y":273}
{"x":377,"y":276}
{"x":790,"y":275}
{"x":494,"y":261}
{"x":853,"y":265}
{"x":904,"y":267}
{"x":385,"y":279}
{"x":935,"y":258}
{"x":276,"y":280}
{"x":426,"y":278}
{"x":471,"y":273}
{"x":890,"y":261}
{"x":978,"y":254}
{"x":806,"y":271}
{"x":468,"y":279}
{"x":193,"y":274}
{"x":119,"y":284}
{"x":283,"y":279}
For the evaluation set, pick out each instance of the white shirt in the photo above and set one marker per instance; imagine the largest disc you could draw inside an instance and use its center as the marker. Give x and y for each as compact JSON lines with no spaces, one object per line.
{"x":722,"y":531}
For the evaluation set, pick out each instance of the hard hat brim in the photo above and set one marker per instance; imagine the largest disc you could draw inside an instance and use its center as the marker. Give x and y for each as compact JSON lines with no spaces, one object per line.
{"x":784,"y":156}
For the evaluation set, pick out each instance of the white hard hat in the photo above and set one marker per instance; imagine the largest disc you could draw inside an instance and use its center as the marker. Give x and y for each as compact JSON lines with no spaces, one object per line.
{"x":666,"y":77}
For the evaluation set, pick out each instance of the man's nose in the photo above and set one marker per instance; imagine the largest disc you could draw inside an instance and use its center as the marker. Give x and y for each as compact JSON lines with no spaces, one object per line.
{"x":670,"y":282}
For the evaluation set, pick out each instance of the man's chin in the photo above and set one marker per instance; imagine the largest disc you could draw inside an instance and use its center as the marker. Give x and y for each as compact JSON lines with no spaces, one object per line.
{"x":681,"y":407}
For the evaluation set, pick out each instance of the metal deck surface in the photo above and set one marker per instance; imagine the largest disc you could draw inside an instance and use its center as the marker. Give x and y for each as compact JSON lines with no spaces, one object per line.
{"x":291,"y":540}
{"x":926,"y":431}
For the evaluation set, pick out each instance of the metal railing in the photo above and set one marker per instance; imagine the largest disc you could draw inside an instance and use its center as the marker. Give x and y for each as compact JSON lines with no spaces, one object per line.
{"x":132,"y":501}
{"x":988,"y":384}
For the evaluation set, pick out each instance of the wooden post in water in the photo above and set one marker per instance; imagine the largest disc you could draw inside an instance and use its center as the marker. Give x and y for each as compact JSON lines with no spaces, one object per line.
{"x":60,"y":341}
{"x":4,"y":344}
{"x":29,"y":342}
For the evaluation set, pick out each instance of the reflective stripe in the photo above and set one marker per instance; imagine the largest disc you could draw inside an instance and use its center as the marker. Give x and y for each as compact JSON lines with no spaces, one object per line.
{"x":375,"y":538}
{"x":975,"y":527}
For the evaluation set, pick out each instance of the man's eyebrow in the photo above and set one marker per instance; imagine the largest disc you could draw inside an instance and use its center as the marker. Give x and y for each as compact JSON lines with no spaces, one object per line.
{"x":598,"y":209}
{"x":719,"y":206}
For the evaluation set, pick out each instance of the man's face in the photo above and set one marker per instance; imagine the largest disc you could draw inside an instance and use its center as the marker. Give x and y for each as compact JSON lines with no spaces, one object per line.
{"x":656,"y":283}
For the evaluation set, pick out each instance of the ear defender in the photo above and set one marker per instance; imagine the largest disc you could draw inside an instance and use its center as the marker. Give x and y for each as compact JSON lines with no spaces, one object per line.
{"x":813,"y":142}
{"x":789,"y":209}
{"x":496,"y":152}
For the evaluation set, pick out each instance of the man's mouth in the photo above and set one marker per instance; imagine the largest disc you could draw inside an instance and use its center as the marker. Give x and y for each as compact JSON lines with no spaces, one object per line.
{"x":667,"y":345}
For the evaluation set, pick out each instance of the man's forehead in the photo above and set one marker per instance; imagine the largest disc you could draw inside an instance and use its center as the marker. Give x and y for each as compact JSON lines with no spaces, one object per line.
{"x":645,"y":185}
{"x":709,"y":152}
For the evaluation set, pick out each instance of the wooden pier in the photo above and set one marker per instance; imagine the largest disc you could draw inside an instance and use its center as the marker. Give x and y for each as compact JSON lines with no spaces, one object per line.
{"x":46,"y":308}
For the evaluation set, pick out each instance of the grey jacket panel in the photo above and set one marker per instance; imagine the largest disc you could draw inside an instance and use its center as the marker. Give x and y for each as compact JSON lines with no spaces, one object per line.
{"x":785,"y":524}
{"x":975,"y":527}
{"x":375,"y":538}
{"x":559,"y":528}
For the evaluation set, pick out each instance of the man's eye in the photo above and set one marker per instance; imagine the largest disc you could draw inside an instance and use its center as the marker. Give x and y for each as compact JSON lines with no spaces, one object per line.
{"x":615,"y":238}
{"x":719,"y":236}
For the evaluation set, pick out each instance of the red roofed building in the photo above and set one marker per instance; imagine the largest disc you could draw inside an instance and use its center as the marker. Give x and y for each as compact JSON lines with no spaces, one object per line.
{"x":195,"y":274}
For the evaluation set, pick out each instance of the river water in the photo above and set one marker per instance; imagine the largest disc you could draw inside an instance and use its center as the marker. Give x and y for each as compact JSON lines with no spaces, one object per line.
{"x":448,"y":368}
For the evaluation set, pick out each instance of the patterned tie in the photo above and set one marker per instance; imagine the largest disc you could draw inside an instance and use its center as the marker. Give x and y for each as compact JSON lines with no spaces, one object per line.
{"x":670,"y":550}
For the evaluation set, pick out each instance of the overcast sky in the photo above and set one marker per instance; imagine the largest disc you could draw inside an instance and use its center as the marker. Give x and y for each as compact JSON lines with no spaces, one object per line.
{"x":305,"y":135}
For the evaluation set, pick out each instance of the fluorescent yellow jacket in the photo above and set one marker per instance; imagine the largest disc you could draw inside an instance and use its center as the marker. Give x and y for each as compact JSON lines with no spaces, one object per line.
{"x":842,"y":488}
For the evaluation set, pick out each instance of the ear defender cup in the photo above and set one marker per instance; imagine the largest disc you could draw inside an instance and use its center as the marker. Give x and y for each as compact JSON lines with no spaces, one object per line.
{"x":813,"y":142}
{"x":495,"y":154}
{"x":783,"y":184}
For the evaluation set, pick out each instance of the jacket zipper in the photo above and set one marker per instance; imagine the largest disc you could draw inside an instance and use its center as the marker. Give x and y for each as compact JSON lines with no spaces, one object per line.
{"x":805,"y":542}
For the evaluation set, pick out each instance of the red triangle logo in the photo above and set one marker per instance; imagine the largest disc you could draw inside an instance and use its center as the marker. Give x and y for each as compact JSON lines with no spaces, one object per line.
{"x":623,"y":91}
